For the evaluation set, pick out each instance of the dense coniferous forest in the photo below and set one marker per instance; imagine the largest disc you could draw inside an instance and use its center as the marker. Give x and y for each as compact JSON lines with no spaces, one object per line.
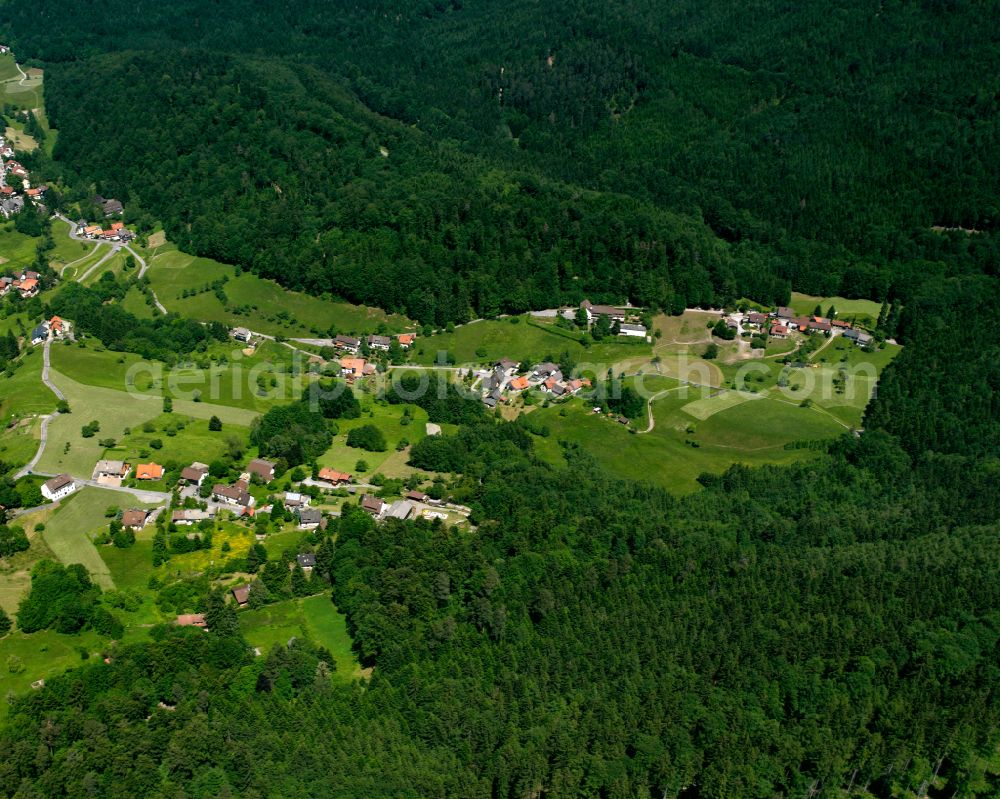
{"x":463,"y":159}
{"x":829,"y":629}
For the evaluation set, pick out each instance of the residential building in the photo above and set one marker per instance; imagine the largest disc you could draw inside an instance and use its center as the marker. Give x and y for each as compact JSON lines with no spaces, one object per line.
{"x":307,"y":560}
{"x":40,"y":334}
{"x":406,"y":340}
{"x":194,"y":474}
{"x":416,"y":496}
{"x":262,"y":468}
{"x":636,"y":331}
{"x":235,"y":495}
{"x":58,"y":487}
{"x":310,"y":518}
{"x":348,"y":343}
{"x":241,"y":593}
{"x":295,"y":500}
{"x":148,"y":471}
{"x":241,"y":334}
{"x":134,"y":519}
{"x":519,"y":384}
{"x":112,"y":207}
{"x":352,"y":367}
{"x":785,"y":313}
{"x":192,"y":620}
{"x":333,"y":477}
{"x":594,"y":311}
{"x":373,"y":505}
{"x":379,"y":343}
{"x":779,"y":331}
{"x":189,"y":516}
{"x":111,"y":473}
{"x":400,"y":509}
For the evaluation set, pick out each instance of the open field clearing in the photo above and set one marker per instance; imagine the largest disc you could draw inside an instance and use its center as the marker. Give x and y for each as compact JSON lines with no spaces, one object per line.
{"x":522,"y":338}
{"x":17,"y":249}
{"x":253,"y":302}
{"x":864,"y":311}
{"x":314,"y":617}
{"x":251,"y":383}
{"x":114,"y":411}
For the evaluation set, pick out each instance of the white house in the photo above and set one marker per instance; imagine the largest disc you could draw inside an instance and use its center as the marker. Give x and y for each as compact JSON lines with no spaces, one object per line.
{"x":637,"y":331}
{"x":58,"y":487}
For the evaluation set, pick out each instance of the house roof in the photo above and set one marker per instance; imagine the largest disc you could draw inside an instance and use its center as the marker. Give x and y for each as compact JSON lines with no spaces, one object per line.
{"x":400,"y":509}
{"x":261,"y":468}
{"x":506,"y":363}
{"x":310,"y":516}
{"x":379,"y":341}
{"x":633,"y":328}
{"x":134,"y":518}
{"x":57,"y":482}
{"x":353,"y":365}
{"x":193,"y":472}
{"x":371,"y":503}
{"x":29,"y":284}
{"x":519,"y":383}
{"x":406,"y":338}
{"x":148,"y":471}
{"x":191,"y":620}
{"x":779,"y":329}
{"x":347,"y":341}
{"x":117,"y":468}
{"x":39,"y":332}
{"x":189,"y":515}
{"x":239,"y":495}
{"x":241,"y":593}
{"x":333,"y":476}
{"x":416,"y":496}
{"x":306,"y":559}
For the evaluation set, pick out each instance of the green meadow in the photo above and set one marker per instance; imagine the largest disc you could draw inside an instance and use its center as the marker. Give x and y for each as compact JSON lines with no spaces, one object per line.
{"x":522,"y":338}
{"x":17,"y":250}
{"x":254,"y":302}
{"x":314,"y":618}
{"x":864,"y":311}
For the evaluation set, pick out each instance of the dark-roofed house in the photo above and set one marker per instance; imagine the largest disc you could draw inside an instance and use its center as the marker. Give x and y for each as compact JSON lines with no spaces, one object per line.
{"x":188,"y":516}
{"x":416,"y":496}
{"x":858,"y":337}
{"x":379,"y":343}
{"x":134,"y":519}
{"x":594,"y":311}
{"x":112,"y":207}
{"x":347,"y":343}
{"x":40,"y":334}
{"x":307,"y":560}
{"x":757,"y":319}
{"x":241,"y":593}
{"x":233,"y":495}
{"x":262,"y":468}
{"x":373,"y":505}
{"x":310,"y":518}
{"x":194,"y":474}
{"x":58,"y":487}
{"x":506,"y":364}
{"x":546,"y":369}
{"x":400,"y":509}
{"x":785,"y":313}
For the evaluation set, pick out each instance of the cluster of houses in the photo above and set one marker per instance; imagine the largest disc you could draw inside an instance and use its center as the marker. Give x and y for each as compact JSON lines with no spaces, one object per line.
{"x":352,"y":345}
{"x":116,"y":231}
{"x":54,"y":328}
{"x":401,"y":509}
{"x":14,"y":194}
{"x":784,"y":321}
{"x":624,"y":321}
{"x":113,"y":473}
{"x":25,"y":283}
{"x":503,"y":382}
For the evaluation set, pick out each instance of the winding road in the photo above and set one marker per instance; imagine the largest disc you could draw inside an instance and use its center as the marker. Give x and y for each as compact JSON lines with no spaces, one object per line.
{"x":43,"y":437}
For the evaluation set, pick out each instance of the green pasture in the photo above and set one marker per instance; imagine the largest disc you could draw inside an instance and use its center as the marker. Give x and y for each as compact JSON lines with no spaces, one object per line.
{"x":17,"y":251}
{"x":865,"y":311}
{"x":265,"y":306}
{"x":183,"y":438}
{"x":314,"y":618}
{"x":386,"y":418}
{"x":115,"y":411}
{"x":522,"y":338}
{"x":8,"y":68}
{"x":23,"y":393}
{"x":80,"y":516}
